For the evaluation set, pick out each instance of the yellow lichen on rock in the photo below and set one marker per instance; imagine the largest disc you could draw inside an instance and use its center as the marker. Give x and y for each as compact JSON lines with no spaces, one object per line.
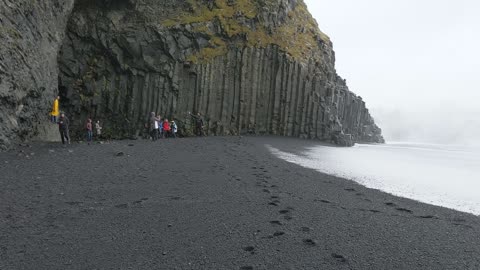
{"x":221,"y":10}
{"x":218,"y":47}
{"x":299,"y":35}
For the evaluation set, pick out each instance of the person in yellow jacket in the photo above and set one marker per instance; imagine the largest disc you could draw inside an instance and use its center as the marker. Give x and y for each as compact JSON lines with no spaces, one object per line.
{"x":55,"y":109}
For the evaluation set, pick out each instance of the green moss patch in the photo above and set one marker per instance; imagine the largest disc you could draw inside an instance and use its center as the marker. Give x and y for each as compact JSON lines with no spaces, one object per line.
{"x":299,"y":36}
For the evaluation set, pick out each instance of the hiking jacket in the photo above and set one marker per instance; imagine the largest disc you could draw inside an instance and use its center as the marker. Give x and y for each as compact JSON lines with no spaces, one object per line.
{"x":166,"y":126}
{"x":63,"y":123}
{"x":55,"y":108}
{"x":153,"y":121}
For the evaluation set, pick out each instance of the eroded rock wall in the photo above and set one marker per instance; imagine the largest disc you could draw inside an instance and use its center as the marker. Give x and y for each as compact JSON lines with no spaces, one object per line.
{"x":31,"y":33}
{"x":250,"y":66}
{"x":233,"y":61}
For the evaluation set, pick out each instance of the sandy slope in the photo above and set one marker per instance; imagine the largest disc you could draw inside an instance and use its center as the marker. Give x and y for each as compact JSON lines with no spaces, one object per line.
{"x":211,"y":203}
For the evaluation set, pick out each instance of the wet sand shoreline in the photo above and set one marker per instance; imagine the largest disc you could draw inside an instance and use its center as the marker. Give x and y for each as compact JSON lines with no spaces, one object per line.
{"x":212,"y":203}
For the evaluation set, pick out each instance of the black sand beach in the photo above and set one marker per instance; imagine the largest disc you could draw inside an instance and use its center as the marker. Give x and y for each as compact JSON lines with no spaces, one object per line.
{"x":211,"y":203}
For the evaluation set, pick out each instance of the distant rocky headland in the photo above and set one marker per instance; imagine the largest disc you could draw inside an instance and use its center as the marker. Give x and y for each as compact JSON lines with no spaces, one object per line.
{"x":249,"y":66}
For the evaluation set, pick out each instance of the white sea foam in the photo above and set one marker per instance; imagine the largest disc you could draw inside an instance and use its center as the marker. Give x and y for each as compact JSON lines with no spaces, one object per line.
{"x":442,"y":175}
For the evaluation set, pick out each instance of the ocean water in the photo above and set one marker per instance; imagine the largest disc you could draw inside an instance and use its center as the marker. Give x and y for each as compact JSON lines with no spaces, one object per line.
{"x":443,"y":175}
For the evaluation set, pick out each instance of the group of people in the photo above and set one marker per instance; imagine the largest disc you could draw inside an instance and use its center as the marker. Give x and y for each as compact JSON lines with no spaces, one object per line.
{"x":63,"y":124}
{"x":162,"y":127}
{"x":89,"y":128}
{"x":63,"y":127}
{"x":158,"y":127}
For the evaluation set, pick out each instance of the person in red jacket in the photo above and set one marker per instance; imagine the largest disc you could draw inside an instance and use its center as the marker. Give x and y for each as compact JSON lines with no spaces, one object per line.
{"x":166,"y":128}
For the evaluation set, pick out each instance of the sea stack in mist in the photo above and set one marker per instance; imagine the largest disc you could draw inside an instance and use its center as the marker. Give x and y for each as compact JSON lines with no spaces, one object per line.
{"x":249,"y":66}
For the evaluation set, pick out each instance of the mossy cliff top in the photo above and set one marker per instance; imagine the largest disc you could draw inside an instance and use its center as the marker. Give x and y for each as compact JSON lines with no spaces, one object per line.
{"x":253,"y":23}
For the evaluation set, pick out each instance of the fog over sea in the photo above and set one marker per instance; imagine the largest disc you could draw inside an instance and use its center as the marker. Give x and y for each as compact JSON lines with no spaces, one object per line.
{"x":419,"y":78}
{"x":444,"y":175}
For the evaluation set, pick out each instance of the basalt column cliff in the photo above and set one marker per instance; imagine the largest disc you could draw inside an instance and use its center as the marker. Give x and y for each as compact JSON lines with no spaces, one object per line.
{"x":249,"y":66}
{"x":31,"y":33}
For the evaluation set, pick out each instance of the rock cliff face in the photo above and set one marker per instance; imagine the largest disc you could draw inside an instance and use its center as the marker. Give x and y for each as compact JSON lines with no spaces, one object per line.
{"x":31,"y":33}
{"x":249,"y":66}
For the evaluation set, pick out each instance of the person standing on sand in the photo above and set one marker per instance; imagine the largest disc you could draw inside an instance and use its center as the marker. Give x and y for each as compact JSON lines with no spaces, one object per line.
{"x":154,"y":126}
{"x":199,"y":123}
{"x":174,"y":127}
{"x":63,"y":123}
{"x":166,"y":128}
{"x":98,"y":128}
{"x":89,"y":127}
{"x":55,"y":110}
{"x":160,"y":126}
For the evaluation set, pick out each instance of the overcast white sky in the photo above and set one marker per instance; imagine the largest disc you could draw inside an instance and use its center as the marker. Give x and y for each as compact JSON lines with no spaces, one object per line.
{"x":416,"y":63}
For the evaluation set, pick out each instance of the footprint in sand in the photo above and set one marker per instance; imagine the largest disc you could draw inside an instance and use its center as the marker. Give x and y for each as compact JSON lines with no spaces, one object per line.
{"x":339,"y":257}
{"x":249,"y":249}
{"x":323,"y":201}
{"x":428,"y":217}
{"x":309,"y":242}
{"x":401,"y":209}
{"x":286,"y":212}
{"x":305,"y":229}
{"x":274,"y":202}
{"x":140,"y":202}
